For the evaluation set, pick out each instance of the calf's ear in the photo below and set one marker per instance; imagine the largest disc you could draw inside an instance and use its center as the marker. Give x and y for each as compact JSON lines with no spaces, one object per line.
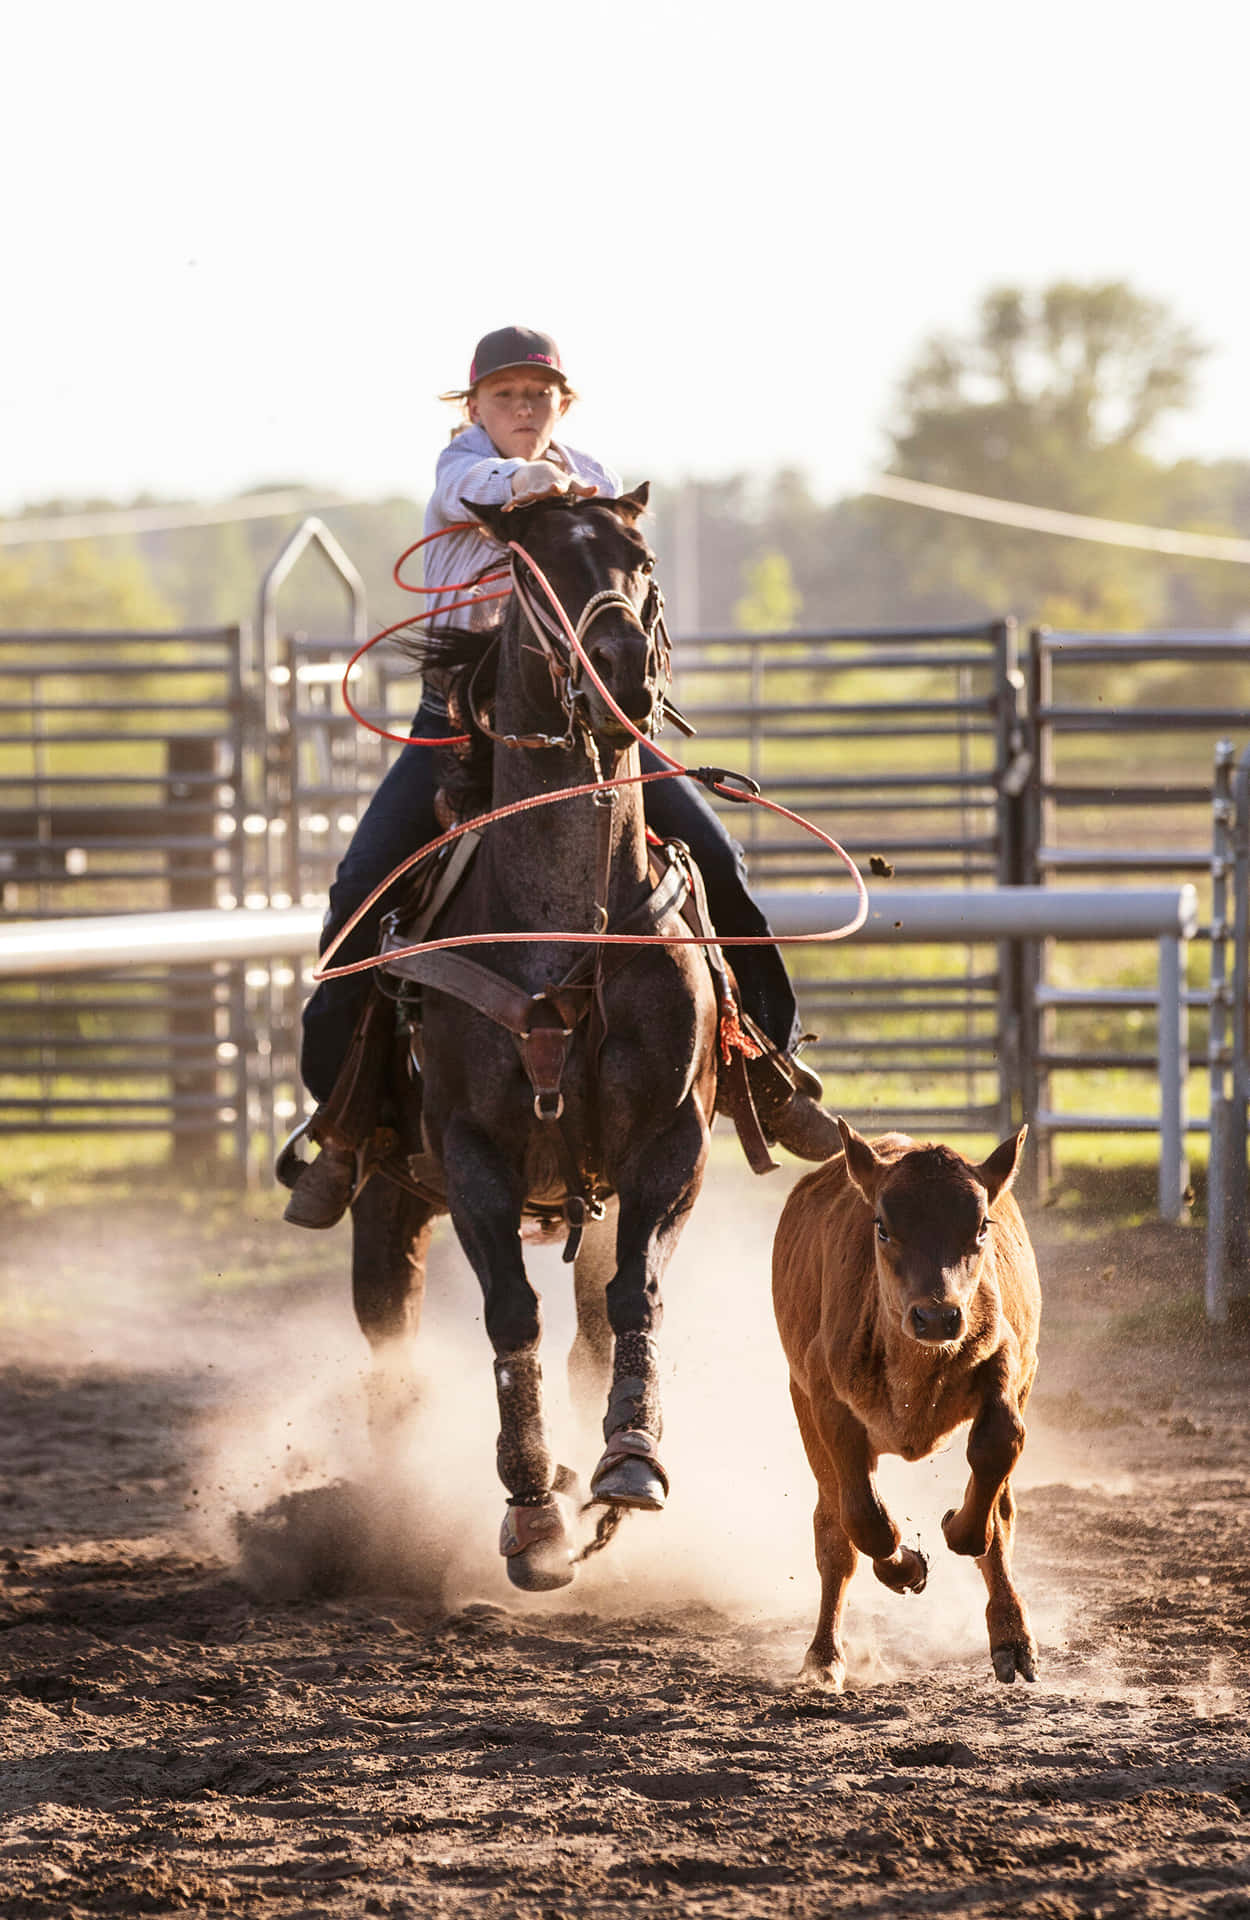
{"x":998,"y":1172}
{"x":862,"y":1165}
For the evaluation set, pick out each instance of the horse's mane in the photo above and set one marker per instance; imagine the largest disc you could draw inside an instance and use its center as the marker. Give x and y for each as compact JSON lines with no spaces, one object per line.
{"x":464,"y":773}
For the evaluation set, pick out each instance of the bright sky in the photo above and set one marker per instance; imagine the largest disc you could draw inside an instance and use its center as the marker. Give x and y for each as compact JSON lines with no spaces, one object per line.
{"x":249,"y":242}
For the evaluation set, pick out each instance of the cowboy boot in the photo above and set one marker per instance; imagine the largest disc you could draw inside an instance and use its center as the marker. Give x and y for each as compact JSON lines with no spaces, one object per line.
{"x":321,"y":1195}
{"x":787,"y":1099}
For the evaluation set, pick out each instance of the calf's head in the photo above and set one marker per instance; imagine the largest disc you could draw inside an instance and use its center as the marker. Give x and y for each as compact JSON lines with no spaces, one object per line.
{"x":931,"y":1229}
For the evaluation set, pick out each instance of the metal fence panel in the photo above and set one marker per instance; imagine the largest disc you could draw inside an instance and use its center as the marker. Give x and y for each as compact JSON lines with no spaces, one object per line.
{"x":907,"y":747}
{"x":121,"y":756}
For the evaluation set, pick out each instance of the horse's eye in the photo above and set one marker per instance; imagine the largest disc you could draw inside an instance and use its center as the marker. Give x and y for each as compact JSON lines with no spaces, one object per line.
{"x":983,"y":1233}
{"x":648,"y":566}
{"x":882,"y":1235}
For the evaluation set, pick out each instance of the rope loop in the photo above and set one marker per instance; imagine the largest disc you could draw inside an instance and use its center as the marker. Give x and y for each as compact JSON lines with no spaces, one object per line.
{"x":547,"y":626}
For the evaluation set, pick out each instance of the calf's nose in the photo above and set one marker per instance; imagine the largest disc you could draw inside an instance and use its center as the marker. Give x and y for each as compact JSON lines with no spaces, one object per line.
{"x":936,"y":1323}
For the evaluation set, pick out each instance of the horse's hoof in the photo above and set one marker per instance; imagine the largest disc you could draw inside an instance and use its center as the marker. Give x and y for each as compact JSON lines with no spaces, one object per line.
{"x":629,"y":1474}
{"x":631,"y":1483}
{"x":536,"y":1543}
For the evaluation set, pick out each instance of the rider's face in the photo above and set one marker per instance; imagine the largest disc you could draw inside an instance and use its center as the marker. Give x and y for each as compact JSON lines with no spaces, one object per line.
{"x":519,"y":410}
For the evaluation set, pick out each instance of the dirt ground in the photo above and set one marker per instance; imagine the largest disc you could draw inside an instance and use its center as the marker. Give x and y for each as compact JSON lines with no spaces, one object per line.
{"x":335,"y":1705}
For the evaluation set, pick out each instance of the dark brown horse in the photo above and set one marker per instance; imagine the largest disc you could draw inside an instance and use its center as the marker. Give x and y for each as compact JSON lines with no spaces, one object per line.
{"x":579,"y":1086}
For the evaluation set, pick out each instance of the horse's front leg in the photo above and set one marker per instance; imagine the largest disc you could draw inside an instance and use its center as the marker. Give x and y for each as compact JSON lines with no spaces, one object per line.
{"x":484,"y":1193}
{"x":657,"y":1185}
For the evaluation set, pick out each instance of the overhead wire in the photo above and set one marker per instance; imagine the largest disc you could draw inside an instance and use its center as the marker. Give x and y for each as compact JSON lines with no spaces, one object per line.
{"x":1180,"y":542}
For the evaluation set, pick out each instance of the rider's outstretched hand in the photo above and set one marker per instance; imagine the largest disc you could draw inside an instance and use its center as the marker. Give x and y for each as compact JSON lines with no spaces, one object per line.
{"x":539,"y":479}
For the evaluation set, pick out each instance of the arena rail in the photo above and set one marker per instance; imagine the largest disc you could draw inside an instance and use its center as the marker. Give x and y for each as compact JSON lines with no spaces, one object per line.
{"x":897,"y":915}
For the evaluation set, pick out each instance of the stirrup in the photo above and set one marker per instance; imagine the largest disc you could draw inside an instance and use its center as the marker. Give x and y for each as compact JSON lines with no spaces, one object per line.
{"x":326,"y":1188}
{"x":288,"y":1162}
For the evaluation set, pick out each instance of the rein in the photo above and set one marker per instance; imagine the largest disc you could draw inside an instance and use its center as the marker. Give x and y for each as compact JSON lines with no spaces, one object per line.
{"x":730,"y":786}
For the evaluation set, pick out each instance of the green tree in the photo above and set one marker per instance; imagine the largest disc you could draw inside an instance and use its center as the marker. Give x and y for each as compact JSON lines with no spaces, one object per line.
{"x":771,"y":602}
{"x":79,"y":583}
{"x":1051,"y":399}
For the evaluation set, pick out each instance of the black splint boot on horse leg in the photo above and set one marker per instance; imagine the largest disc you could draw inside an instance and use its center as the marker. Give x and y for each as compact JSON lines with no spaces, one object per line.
{"x":534,"y":1538}
{"x":629,"y":1473}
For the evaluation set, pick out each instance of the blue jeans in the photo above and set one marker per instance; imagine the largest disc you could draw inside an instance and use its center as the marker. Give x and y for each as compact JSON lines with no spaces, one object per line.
{"x":400,"y":818}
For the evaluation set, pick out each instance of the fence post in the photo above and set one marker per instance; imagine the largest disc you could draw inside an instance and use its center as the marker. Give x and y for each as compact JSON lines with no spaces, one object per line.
{"x":1219,"y":1158}
{"x":1015,"y":762}
{"x":1236,"y":1224}
{"x":1173,"y":1059}
{"x":191,"y":766}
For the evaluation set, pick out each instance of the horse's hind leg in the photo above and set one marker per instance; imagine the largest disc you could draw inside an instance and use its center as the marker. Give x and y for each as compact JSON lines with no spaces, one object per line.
{"x":590,"y":1357}
{"x":390,"y":1239}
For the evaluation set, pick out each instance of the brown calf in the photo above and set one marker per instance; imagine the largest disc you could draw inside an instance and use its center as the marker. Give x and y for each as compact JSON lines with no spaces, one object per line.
{"x":907,"y":1297}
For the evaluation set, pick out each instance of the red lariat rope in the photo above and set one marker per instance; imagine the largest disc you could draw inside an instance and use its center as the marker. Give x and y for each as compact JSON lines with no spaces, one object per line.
{"x":475,"y":599}
{"x":716,"y":779}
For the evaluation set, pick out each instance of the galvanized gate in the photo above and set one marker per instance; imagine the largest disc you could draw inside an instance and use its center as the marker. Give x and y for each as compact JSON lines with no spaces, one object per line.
{"x":1122,"y":727}
{"x":121,"y":756}
{"x":908,"y":747}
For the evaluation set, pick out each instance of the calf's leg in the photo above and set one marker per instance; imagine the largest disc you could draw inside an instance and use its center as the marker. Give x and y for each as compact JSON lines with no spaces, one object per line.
{"x":867,"y":1524}
{"x":994,"y":1446}
{"x":824,"y":1664}
{"x":1013,"y":1649}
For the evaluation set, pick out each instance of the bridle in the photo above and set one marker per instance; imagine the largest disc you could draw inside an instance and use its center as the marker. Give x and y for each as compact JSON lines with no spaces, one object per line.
{"x":565,"y":662}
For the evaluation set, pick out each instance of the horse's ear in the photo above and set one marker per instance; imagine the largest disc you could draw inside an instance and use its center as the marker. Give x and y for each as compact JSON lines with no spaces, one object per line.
{"x":492,"y":518}
{"x":635,"y":503}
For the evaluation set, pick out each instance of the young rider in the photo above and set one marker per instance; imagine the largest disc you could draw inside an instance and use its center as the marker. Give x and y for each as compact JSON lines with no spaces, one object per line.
{"x":516,"y":396}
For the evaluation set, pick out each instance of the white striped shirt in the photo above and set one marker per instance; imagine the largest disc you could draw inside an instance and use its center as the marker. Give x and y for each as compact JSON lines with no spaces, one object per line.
{"x":471,"y":467}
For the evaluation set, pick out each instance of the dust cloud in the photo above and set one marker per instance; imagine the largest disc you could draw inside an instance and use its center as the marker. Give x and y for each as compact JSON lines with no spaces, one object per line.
{"x":290,"y":1481}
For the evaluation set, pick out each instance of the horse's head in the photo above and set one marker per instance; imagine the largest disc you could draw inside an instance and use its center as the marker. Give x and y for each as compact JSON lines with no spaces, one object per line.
{"x":600,"y":568}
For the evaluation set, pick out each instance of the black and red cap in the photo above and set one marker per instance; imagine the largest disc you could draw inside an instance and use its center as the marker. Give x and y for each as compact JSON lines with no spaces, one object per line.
{"x":515,"y":347}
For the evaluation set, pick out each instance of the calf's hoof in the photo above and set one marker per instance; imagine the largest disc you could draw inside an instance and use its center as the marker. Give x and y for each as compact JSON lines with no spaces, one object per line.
{"x":824,"y":1676}
{"x":629,"y":1473}
{"x":962,"y":1537}
{"x":537,"y":1545}
{"x":1015,"y":1657}
{"x":906,"y":1571}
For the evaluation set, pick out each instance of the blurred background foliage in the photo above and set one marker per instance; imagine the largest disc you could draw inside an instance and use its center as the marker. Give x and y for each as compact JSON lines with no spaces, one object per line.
{"x":1059,"y":397}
